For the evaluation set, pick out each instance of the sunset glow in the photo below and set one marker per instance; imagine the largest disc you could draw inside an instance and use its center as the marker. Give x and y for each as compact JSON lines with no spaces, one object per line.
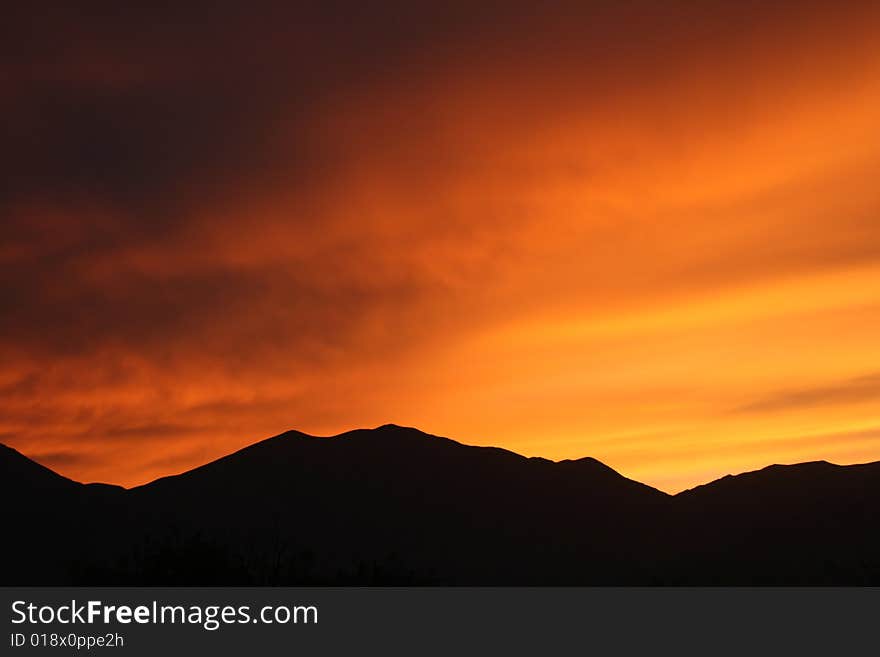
{"x":650,"y":236}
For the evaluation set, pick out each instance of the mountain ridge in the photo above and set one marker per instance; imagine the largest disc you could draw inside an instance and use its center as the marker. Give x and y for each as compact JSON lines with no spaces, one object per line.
{"x":372,"y":432}
{"x":394,"y":505}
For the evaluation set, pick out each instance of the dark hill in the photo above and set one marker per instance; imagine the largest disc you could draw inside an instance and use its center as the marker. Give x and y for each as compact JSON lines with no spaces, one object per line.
{"x":28,"y":479}
{"x":394,"y":505}
{"x":50,"y":521}
{"x":810,"y":523}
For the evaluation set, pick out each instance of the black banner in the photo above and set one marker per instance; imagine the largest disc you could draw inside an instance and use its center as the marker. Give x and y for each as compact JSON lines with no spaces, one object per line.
{"x":415,"y":621}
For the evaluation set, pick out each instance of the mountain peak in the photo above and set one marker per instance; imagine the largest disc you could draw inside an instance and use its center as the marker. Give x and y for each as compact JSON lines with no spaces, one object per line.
{"x":387,"y":431}
{"x":396,"y":427}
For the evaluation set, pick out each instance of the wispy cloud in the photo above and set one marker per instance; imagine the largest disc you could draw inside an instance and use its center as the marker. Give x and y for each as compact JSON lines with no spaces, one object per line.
{"x":859,"y":390}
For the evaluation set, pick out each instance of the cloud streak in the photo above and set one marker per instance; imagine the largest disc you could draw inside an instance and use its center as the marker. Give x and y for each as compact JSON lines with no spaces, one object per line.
{"x":861,"y":390}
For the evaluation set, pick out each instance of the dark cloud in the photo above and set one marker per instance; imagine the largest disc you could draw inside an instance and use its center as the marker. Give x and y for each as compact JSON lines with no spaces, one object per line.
{"x":141,"y":151}
{"x":63,"y":459}
{"x":150,"y":107}
{"x":863,"y":389}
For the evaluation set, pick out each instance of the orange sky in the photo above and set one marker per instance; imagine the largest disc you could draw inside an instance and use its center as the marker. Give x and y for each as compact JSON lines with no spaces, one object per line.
{"x":647,"y":235}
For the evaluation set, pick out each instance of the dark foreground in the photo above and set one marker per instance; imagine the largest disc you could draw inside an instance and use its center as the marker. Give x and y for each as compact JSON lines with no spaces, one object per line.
{"x":395,"y":506}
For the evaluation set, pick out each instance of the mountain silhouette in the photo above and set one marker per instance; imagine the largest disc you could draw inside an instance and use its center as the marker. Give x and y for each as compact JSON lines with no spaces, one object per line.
{"x":396,"y":506}
{"x":813,"y":522}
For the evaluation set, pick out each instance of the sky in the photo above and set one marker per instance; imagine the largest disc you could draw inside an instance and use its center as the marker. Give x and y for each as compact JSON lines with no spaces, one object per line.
{"x":644,"y":232}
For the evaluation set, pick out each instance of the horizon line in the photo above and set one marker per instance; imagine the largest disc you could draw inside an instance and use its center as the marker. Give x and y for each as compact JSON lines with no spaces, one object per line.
{"x":391,"y":425}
